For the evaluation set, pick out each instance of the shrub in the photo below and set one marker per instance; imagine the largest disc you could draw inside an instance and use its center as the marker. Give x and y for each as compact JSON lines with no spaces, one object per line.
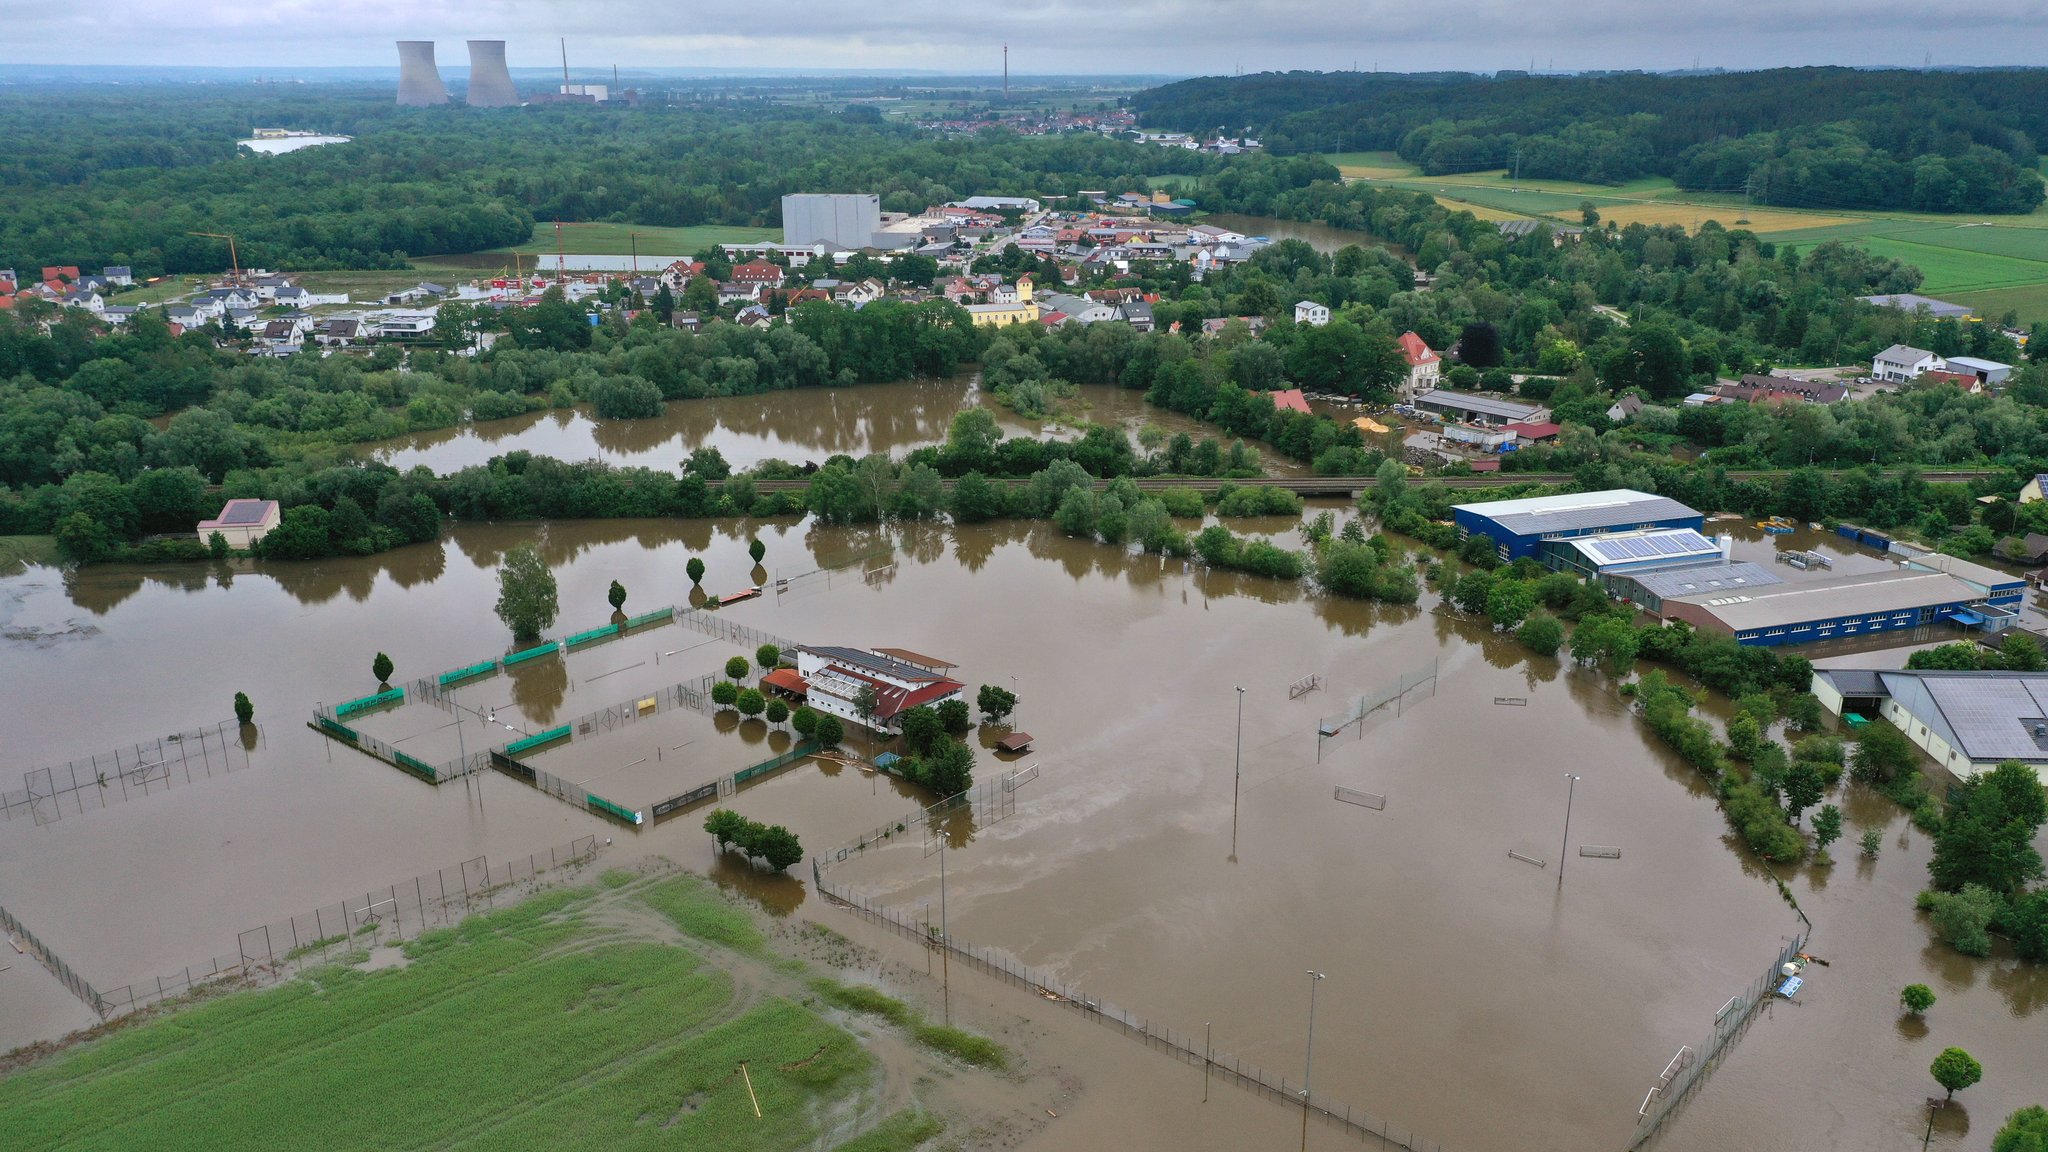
{"x":381,"y":668}
{"x":244,"y":710}
{"x":750,"y":702}
{"x":1916,"y":998}
{"x":767,"y":655}
{"x":804,"y":720}
{"x":1964,"y":918}
{"x":1541,"y":634}
{"x":777,"y":711}
{"x":829,"y":731}
{"x":725,"y":693}
{"x":2024,"y":1131}
{"x":736,"y":668}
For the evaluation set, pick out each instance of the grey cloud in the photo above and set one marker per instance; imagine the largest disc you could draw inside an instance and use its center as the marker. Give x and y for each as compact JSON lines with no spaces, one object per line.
{"x":1158,"y":36}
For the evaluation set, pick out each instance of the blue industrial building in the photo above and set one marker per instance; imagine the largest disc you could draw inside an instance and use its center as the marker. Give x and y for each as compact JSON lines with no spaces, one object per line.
{"x":1519,"y":528}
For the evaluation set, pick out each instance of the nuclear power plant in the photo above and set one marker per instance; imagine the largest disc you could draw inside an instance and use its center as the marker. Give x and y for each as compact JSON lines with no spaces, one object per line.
{"x":419,"y":81}
{"x":490,"y":82}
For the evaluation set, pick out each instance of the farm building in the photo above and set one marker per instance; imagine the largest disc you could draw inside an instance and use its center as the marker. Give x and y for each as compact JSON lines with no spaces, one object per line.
{"x":1970,"y":722}
{"x":241,"y":522}
{"x":1520,"y":527}
{"x":1480,"y":409}
{"x":834,"y":679}
{"x":1989,"y":373}
{"x":1833,"y":608}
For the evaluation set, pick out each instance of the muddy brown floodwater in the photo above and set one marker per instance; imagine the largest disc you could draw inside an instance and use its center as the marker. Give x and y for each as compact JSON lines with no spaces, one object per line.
{"x":805,"y":424}
{"x":1469,"y":996}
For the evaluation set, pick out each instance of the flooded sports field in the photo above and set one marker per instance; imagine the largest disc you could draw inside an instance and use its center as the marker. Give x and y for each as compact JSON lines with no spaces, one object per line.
{"x":1190,"y":867}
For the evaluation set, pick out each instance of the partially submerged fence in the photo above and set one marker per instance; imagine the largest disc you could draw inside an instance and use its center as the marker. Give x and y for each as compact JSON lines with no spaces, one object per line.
{"x":25,"y":940}
{"x":127,"y":773}
{"x":394,"y":913}
{"x":709,"y":622}
{"x":986,"y":802}
{"x":1691,"y":1066}
{"x":1360,"y":707}
{"x":329,"y":726}
{"x":1189,"y":1048}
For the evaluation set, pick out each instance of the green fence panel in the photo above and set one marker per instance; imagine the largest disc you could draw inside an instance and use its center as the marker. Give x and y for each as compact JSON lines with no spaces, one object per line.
{"x":617,"y":811}
{"x":668,"y":613}
{"x":592,"y":636}
{"x":547,"y":649}
{"x":487,"y":666}
{"x":334,"y":729}
{"x":352,"y":707}
{"x":536,"y":740}
{"x":415,"y":765}
{"x":790,"y":757}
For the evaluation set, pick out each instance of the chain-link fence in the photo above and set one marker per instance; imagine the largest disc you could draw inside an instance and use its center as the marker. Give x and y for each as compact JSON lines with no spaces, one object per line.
{"x":1395,"y":693}
{"x":1187,"y":1047}
{"x":1688,"y":1070}
{"x":127,"y":773}
{"x":25,"y":942}
{"x":709,"y":622}
{"x":441,"y":773}
{"x":389,"y":915}
{"x":985,"y":803}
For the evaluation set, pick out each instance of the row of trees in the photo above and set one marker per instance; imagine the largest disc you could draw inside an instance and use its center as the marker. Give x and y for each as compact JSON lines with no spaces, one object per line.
{"x":775,"y":845}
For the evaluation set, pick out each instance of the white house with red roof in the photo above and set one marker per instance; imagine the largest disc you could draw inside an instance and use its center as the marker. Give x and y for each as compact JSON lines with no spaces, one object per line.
{"x":757,"y":273}
{"x":834,"y":678}
{"x":1425,"y":367}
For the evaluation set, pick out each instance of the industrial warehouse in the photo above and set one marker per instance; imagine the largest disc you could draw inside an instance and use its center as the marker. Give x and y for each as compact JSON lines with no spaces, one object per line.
{"x":1652,"y":551}
{"x":1970,"y":722}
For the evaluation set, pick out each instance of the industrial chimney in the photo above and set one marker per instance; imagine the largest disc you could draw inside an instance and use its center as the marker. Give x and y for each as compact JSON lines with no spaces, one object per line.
{"x":419,"y":82}
{"x":490,"y":83}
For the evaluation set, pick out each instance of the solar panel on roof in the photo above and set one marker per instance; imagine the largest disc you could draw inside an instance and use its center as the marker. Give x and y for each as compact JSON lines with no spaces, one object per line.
{"x":244,"y":512}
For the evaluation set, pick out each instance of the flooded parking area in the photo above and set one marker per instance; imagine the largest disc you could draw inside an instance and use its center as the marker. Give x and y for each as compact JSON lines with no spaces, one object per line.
{"x":1189,"y":869}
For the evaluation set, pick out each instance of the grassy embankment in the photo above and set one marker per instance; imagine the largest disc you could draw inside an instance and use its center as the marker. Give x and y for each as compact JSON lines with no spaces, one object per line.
{"x":17,"y":552}
{"x":539,"y":1026}
{"x":1992,"y":263}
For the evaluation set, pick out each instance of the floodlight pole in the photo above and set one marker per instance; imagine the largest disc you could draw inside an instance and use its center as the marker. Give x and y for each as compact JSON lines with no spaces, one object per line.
{"x":1308,"y":1065}
{"x":1208,"y":1058}
{"x":1571,"y":787}
{"x":1237,"y":774}
{"x":945,"y":940}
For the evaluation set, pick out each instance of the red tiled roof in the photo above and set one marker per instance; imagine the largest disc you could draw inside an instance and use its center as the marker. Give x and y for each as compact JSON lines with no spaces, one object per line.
{"x":1417,"y":352}
{"x":890,"y":701}
{"x":788,"y":680}
{"x":1290,"y":400}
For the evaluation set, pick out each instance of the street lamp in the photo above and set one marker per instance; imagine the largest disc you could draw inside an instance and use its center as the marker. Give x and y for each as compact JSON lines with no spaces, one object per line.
{"x":1571,"y":787}
{"x":1237,"y":774}
{"x":1308,"y":1065}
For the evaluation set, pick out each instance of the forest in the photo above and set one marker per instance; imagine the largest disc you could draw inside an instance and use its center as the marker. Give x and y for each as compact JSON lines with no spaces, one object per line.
{"x":1805,"y":137}
{"x":94,"y":177}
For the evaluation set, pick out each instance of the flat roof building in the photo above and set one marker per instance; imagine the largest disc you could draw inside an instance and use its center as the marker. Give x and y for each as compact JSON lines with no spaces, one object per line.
{"x":1649,"y":590}
{"x":1970,"y":722}
{"x":1828,"y":609}
{"x":843,"y":220}
{"x":1480,"y":409}
{"x":1519,"y":527}
{"x":1913,"y":302}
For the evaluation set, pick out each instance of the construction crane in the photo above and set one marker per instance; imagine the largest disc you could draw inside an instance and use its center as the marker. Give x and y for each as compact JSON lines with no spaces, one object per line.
{"x":561,"y":258}
{"x":234,"y":261}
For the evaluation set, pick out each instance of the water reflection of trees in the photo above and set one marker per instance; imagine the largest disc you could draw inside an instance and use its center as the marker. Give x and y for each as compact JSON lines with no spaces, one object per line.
{"x":101,"y":588}
{"x":561,"y":542}
{"x":778,"y":893}
{"x":539,"y":686}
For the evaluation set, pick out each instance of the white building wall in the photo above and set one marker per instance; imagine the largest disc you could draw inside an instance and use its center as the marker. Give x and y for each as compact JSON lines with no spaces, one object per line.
{"x":843,"y":220}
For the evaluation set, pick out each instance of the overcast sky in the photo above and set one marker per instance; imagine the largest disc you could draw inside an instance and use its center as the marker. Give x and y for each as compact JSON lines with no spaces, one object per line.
{"x":1183,"y":37}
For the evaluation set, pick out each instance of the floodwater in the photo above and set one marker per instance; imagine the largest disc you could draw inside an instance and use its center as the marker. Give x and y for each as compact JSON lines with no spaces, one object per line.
{"x":1321,"y":237}
{"x":805,"y":424}
{"x":1469,"y":996}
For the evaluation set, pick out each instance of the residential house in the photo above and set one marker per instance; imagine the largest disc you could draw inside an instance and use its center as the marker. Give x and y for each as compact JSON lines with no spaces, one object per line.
{"x":2034,"y":491}
{"x":286,"y":333}
{"x":87,"y":299}
{"x":753,"y":316}
{"x":1289,"y":400}
{"x":1136,"y":313}
{"x":687,"y":321}
{"x":856,"y":295}
{"x":401,"y":324}
{"x":1214,"y":325}
{"x":1900,"y":363}
{"x":1020,"y":309}
{"x":835,"y":679}
{"x":339,"y":332}
{"x":1080,"y":309}
{"x":9,"y":282}
{"x":1311,"y":313}
{"x":734,"y":292}
{"x":1624,"y":410}
{"x":679,"y":274}
{"x":1425,"y":366}
{"x":64,"y":273}
{"x":119,"y":274}
{"x":1755,"y":389}
{"x":757,"y":274}
{"x":119,"y":314}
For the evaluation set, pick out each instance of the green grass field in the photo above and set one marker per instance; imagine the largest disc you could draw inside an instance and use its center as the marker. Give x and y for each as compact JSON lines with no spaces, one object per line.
{"x":617,"y":239}
{"x":527,"y":1028}
{"x":17,"y":552}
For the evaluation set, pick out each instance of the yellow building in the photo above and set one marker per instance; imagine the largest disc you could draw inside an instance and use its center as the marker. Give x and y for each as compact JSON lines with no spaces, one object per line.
{"x":1017,"y":310}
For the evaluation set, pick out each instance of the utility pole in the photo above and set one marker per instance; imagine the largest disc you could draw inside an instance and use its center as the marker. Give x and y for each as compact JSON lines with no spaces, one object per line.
{"x":1308,"y":1066}
{"x":1571,"y":787}
{"x":945,"y":940}
{"x":565,"y":65}
{"x":1237,"y":774}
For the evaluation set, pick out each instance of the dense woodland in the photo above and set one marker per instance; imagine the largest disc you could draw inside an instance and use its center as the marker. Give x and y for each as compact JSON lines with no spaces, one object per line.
{"x":1813,"y":137}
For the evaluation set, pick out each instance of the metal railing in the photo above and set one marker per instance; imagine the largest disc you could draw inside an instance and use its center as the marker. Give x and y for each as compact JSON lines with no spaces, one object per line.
{"x":1184,"y":1046}
{"x":127,"y":773}
{"x":22,"y":938}
{"x":397,"y":912}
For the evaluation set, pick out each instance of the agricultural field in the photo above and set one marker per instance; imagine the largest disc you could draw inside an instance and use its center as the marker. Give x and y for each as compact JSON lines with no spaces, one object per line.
{"x":613,"y":1018}
{"x":1371,"y":165}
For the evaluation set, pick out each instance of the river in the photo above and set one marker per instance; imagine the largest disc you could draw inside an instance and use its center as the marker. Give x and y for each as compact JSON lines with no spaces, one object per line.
{"x":800,"y":425}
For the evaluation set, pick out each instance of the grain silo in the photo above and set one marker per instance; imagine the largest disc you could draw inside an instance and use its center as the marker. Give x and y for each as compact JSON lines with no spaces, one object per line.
{"x":490,"y":82}
{"x":419,"y":81}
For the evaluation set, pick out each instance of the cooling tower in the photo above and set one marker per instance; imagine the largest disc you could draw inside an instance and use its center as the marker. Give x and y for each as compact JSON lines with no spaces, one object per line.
{"x":419,"y":82}
{"x":490,"y":84}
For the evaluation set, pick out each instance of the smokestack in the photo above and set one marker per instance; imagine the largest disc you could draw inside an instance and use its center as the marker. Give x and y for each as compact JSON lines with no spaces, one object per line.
{"x":1006,"y":71}
{"x":419,"y":82}
{"x":490,"y":82}
{"x":565,"y":63}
